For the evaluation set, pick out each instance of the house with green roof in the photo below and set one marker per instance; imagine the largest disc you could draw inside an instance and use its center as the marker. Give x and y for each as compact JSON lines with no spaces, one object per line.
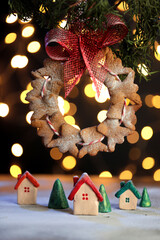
{"x":128,"y":196}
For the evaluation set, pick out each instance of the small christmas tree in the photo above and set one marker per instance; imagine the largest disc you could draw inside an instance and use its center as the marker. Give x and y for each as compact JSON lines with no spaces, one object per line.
{"x":145,"y":200}
{"x":104,"y":206}
{"x":58,"y":199}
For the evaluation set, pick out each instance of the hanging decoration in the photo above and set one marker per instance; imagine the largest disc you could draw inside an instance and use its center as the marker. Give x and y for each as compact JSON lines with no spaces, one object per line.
{"x":98,"y":39}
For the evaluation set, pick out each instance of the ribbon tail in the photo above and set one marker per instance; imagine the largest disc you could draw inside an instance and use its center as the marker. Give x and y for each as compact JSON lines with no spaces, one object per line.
{"x":70,"y":83}
{"x":91,"y":59}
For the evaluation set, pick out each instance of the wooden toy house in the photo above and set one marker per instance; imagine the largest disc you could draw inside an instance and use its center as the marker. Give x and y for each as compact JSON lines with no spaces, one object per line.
{"x":26,"y":187}
{"x":85,"y":195}
{"x":128,"y":196}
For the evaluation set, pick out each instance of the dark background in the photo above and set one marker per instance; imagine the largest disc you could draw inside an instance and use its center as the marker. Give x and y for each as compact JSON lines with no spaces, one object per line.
{"x":36,"y":158}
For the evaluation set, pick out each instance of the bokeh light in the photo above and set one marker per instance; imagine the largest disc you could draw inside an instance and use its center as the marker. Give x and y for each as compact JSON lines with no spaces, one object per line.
{"x":42,"y":9}
{"x":126,"y":175}
{"x":89,"y":91}
{"x":33,"y":47}
{"x":15,"y":171}
{"x":28,"y":31}
{"x":157,"y":53}
{"x":23,"y":96}
{"x":156,"y":175}
{"x":61,"y":104}
{"x":70,"y":120}
{"x":69,"y":162}
{"x":19,"y":61}
{"x":29,"y":87}
{"x":156,"y":101}
{"x":63,"y":23}
{"x":133,"y":138}
{"x":56,"y":154}
{"x":11,"y":18}
{"x":10,"y":38}
{"x":17,"y":150}
{"x":104,"y":95}
{"x":102,"y":115}
{"x":66,"y":106}
{"x":28,"y":117}
{"x":148,"y":100}
{"x":147,"y":133}
{"x":24,"y":21}
{"x":73,"y":109}
{"x":148,"y":163}
{"x":105,"y":174}
{"x":123,"y":6}
{"x":4,"y":109}
{"x":76,"y":126}
{"x":142,"y":68}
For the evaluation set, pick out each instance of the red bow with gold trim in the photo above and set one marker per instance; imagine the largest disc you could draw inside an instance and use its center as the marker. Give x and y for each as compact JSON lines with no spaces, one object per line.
{"x":83,"y":50}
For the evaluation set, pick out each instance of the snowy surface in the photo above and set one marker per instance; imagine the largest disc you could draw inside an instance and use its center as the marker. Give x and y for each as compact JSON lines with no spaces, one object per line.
{"x":36,"y":222}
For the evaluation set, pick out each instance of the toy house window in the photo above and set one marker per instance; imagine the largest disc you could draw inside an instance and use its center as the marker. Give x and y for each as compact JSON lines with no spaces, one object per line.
{"x":26,"y":189}
{"x":127,"y":200}
{"x":85,"y":196}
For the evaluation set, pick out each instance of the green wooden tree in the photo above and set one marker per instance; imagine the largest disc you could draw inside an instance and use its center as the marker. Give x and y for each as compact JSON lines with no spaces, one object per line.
{"x":57,"y":198}
{"x":145,"y":200}
{"x":104,"y":206}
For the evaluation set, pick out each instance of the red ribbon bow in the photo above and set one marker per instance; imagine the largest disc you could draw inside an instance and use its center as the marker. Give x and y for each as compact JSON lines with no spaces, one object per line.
{"x":83,"y":50}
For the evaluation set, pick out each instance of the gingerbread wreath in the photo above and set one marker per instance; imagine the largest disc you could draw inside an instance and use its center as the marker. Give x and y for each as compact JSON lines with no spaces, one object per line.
{"x":51,"y":125}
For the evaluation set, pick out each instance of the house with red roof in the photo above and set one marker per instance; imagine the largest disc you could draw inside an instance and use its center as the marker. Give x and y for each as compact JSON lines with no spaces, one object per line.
{"x":26,"y":187}
{"x":85,"y":195}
